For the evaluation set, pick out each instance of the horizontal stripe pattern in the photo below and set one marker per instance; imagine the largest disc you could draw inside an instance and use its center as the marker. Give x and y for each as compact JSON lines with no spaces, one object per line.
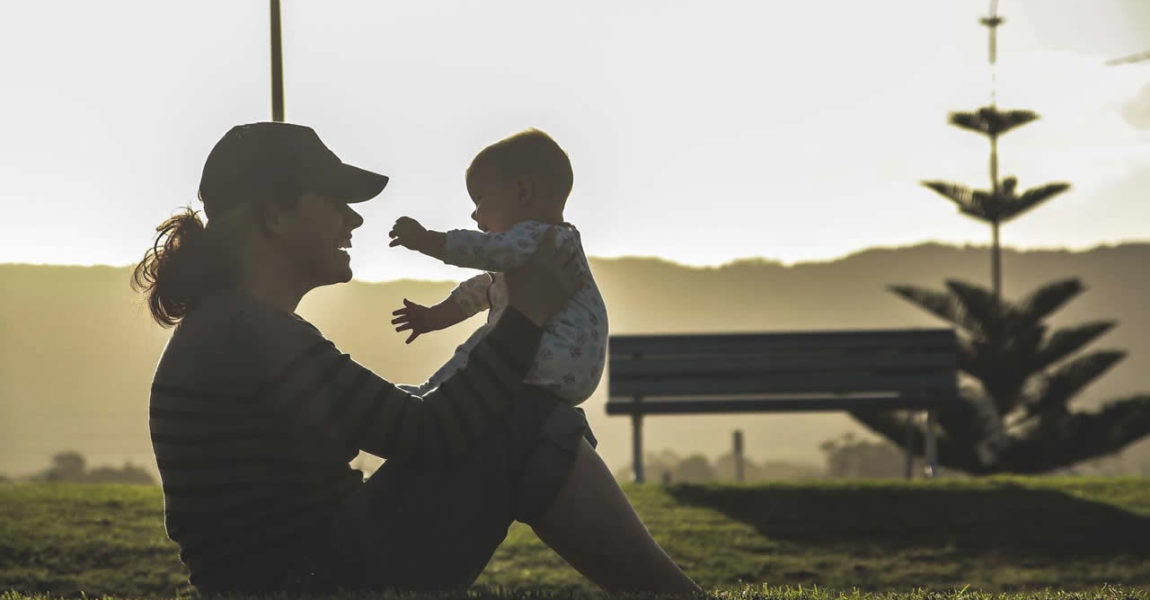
{"x":251,"y":479}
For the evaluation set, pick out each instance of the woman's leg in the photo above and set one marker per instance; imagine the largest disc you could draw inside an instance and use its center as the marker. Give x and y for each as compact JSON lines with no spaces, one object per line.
{"x":594,"y":528}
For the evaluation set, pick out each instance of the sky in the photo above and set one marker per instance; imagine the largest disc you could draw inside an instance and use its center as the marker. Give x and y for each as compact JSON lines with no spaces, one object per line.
{"x":700,"y":132}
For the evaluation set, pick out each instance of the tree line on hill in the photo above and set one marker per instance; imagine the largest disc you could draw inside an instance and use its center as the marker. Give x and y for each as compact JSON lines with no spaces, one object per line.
{"x":71,"y":467}
{"x":61,"y":320}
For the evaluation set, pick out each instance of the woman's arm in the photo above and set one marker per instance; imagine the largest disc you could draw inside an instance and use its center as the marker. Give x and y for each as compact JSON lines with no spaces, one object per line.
{"x":322,"y":393}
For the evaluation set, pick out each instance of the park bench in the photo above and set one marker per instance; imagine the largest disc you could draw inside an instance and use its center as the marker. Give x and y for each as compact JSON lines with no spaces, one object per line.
{"x":907,"y":369}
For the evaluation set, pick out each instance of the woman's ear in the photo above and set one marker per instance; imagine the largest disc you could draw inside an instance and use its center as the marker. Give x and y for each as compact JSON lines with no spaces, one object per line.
{"x":272,"y":219}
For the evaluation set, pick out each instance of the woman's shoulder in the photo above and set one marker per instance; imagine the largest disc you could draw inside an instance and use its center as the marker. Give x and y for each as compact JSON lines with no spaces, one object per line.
{"x":234,"y":328}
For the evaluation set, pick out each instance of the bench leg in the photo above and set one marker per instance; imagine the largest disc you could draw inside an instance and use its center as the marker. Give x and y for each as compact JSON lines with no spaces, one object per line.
{"x":931,"y":446}
{"x":637,"y":446}
{"x":907,"y":440}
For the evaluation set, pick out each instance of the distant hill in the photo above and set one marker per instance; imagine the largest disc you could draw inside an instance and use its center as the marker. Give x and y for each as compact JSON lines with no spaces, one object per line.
{"x":77,"y":349}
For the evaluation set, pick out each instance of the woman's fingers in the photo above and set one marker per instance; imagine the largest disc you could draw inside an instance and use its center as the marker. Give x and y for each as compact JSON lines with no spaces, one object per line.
{"x":412,"y":337}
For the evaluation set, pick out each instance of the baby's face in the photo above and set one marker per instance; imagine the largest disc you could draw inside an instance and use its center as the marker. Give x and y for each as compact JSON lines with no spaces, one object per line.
{"x":496,"y":208}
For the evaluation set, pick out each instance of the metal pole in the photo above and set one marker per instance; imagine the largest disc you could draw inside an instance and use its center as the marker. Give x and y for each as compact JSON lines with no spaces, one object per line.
{"x":277,"y":64}
{"x":738,"y":455}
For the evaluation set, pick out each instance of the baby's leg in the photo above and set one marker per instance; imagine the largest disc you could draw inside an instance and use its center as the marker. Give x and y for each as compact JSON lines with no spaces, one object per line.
{"x":419,"y":527}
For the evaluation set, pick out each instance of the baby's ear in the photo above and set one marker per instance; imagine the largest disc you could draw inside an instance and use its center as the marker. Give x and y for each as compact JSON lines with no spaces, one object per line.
{"x":524,"y":191}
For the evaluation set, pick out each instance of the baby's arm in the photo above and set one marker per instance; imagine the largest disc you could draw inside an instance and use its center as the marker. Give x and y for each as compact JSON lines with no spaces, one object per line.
{"x":501,"y":252}
{"x":467,"y":299}
{"x":409,"y":233}
{"x":477,"y":250}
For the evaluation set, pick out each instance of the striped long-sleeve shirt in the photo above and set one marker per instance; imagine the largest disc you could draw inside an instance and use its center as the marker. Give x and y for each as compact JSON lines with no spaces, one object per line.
{"x":255,"y":416}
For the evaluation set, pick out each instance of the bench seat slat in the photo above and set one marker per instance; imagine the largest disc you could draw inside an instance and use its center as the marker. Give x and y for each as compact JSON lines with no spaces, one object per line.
{"x":795,"y":404}
{"x":670,"y":345}
{"x":624,"y":367}
{"x":765,"y":383}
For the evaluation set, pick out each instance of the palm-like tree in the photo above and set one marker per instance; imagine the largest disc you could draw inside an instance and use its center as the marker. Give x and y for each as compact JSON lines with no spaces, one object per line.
{"x":1002,"y":202}
{"x":1014,"y":415}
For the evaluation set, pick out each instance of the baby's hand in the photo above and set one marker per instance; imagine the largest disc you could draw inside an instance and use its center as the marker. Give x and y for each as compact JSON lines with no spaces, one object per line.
{"x":407,"y":232}
{"x":418,"y":319}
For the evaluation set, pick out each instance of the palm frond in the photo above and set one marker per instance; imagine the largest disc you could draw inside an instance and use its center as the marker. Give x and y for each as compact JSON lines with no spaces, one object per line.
{"x":1067,"y":341}
{"x":959,"y":194}
{"x":953,"y":452}
{"x":990,"y":121}
{"x":939,"y":304}
{"x":1049,"y":298}
{"x":1076,"y":437}
{"x":1070,"y":378}
{"x":1029,"y":199}
{"x":979,"y":304}
{"x":991,"y":206}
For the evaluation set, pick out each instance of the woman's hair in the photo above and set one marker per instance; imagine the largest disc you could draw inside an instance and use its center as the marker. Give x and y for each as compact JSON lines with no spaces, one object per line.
{"x":186,"y":263}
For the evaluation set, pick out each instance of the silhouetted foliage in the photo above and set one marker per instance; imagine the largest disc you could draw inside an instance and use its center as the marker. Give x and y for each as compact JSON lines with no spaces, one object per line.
{"x":851,"y":458}
{"x":1015,"y":416}
{"x":71,"y":467}
{"x":669,"y":467}
{"x":1002,"y":202}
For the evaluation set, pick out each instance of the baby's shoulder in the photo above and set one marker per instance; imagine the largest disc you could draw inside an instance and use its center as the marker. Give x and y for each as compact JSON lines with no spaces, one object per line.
{"x":535,"y":230}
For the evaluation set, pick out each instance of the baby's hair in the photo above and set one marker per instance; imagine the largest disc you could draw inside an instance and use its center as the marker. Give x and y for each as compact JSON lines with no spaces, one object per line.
{"x":530,"y":153}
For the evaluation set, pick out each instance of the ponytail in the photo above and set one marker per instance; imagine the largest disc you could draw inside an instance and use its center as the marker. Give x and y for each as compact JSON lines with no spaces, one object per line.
{"x":185,"y":263}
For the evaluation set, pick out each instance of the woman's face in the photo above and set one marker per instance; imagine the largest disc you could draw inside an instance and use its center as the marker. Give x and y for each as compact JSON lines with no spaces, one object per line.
{"x":315,"y":236}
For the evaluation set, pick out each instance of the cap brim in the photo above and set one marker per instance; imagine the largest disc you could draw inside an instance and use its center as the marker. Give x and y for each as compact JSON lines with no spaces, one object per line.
{"x":351,"y":184}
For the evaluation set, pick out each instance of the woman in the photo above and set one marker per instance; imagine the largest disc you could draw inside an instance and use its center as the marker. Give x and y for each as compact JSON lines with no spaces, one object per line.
{"x":255,"y":415}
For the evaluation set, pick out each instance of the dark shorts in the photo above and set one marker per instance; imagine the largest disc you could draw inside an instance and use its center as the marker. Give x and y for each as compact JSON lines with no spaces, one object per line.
{"x":415,"y":528}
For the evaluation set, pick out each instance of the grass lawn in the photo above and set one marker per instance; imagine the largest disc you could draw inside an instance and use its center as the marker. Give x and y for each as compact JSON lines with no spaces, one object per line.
{"x":1019,"y":535}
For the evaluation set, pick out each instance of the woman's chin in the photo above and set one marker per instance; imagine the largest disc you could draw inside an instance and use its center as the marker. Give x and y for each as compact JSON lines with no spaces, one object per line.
{"x":344,"y":269}
{"x":339,"y":269}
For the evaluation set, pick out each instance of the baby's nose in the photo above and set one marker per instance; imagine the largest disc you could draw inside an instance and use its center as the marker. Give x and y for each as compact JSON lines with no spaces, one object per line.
{"x":474,"y":216}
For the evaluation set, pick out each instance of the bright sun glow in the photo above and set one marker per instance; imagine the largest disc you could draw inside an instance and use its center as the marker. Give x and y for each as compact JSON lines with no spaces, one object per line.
{"x":794,"y":132}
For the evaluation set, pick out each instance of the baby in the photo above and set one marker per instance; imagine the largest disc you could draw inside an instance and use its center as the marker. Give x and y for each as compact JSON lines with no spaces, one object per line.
{"x":519,"y":186}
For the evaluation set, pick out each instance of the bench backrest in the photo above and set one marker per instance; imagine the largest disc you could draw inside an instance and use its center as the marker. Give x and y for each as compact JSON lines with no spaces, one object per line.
{"x":793,"y":370}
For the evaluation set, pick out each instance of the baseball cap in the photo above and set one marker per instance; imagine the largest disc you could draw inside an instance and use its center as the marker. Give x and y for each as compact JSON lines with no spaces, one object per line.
{"x":259,"y":162}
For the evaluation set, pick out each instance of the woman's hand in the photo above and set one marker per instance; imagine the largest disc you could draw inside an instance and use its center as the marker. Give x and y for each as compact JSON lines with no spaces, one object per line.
{"x":543,"y":286}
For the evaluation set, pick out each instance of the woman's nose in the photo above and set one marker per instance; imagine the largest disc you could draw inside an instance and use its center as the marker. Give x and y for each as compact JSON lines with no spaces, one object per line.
{"x":475,"y":215}
{"x":354,"y":218}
